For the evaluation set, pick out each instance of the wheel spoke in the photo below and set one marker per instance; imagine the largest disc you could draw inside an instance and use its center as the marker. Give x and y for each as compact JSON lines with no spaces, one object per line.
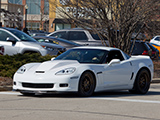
{"x":86,"y":84}
{"x":143,"y":81}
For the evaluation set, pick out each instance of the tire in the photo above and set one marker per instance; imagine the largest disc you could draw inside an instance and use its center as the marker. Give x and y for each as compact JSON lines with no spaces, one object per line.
{"x":27,"y":94}
{"x":86,"y":84}
{"x":142,"y":82}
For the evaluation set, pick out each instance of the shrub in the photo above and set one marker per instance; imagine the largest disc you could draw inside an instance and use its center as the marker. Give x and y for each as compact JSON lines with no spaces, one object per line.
{"x":10,"y":64}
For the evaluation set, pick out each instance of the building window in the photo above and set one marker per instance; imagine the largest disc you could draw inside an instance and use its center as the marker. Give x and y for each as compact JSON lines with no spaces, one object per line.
{"x":33,"y":26}
{"x":67,"y":26}
{"x":33,"y":6}
{"x":62,"y":26}
{"x":15,"y":1}
{"x":46,"y":7}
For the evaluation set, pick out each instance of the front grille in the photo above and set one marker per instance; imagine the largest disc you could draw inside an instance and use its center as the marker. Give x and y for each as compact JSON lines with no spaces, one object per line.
{"x":40,"y":85}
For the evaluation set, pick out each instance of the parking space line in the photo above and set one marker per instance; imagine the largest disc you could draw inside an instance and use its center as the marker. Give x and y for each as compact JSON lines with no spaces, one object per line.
{"x":126,"y":100}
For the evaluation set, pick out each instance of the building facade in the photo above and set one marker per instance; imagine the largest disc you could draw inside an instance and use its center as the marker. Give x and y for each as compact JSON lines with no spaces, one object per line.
{"x":33,"y":14}
{"x":55,"y":20}
{"x":37,"y":14}
{"x":11,"y":14}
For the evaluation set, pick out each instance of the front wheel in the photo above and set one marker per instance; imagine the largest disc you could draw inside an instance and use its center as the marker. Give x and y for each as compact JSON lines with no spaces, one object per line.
{"x":142,"y":82}
{"x":86,"y":84}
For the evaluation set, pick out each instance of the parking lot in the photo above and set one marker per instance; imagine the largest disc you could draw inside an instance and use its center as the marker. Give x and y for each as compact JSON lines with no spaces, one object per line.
{"x":118,"y":105}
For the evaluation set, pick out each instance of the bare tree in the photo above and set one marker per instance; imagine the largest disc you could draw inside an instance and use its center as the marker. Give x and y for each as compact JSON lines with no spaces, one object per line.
{"x":114,"y":19}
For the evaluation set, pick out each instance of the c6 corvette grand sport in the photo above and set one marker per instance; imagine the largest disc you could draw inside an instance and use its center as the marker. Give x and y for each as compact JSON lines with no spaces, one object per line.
{"x":86,"y":70}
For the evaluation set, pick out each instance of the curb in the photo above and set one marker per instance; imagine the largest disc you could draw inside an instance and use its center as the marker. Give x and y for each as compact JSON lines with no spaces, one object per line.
{"x":5,"y":88}
{"x":155,"y":80}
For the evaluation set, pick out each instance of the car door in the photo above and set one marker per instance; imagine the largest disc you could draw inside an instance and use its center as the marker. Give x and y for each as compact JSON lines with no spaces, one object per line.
{"x":10,"y":47}
{"x":116,"y":73}
{"x":78,"y":37}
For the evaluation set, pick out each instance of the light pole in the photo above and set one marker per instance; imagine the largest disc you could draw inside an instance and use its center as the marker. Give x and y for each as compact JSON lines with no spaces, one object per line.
{"x":26,"y":8}
{"x":19,"y":18}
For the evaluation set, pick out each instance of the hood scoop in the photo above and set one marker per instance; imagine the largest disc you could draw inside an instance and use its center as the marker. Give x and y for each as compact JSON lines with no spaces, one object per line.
{"x":50,"y":65}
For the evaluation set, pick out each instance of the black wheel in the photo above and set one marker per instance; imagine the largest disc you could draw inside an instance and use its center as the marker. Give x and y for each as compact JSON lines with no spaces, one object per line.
{"x":27,"y":94}
{"x":142,"y":82}
{"x":86,"y":84}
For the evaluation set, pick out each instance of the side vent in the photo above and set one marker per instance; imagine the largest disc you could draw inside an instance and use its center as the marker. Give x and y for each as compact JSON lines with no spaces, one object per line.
{"x":132,"y":75}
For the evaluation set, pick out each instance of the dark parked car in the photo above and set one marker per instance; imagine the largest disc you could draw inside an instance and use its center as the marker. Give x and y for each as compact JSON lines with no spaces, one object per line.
{"x":37,"y":33}
{"x":141,"y":48}
{"x":155,"y":51}
{"x":65,"y":43}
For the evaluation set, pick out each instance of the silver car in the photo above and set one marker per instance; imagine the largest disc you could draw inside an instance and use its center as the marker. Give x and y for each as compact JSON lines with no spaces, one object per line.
{"x":79,"y":36}
{"x":15,"y":41}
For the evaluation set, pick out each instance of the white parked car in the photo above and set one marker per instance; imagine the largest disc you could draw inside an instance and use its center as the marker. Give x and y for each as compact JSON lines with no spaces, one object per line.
{"x":79,"y":36}
{"x":86,"y":70}
{"x":15,"y":41}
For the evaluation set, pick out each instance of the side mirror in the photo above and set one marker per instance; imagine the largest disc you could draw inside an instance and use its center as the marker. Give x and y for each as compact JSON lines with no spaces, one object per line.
{"x":114,"y":61}
{"x":52,"y":58}
{"x":11,"y":39}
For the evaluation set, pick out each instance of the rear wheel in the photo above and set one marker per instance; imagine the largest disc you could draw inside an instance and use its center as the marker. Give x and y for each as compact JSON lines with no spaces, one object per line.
{"x":142,"y":82}
{"x":86,"y":84}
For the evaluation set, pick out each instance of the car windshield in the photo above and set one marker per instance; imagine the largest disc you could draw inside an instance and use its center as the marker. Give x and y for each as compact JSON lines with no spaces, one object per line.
{"x":94,"y":56}
{"x":22,"y":36}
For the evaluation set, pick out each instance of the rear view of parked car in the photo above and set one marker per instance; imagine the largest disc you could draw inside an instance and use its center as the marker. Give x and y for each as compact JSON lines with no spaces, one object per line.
{"x":15,"y":41}
{"x":141,"y":48}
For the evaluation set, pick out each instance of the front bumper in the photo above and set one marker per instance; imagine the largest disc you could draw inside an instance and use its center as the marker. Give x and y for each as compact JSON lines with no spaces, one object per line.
{"x":44,"y":84}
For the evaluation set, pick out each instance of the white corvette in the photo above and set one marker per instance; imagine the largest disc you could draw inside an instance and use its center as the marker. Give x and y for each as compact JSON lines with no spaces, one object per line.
{"x":86,"y":70}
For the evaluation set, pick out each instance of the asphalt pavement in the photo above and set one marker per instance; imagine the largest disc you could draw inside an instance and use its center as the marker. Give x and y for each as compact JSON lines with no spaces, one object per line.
{"x":118,"y":105}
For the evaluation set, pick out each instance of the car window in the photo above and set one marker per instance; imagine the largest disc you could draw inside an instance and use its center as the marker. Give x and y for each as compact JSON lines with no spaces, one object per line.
{"x":157,"y":38}
{"x":84,"y":55}
{"x":61,"y":34}
{"x":4,"y":35}
{"x":115,"y":54}
{"x":126,"y":55}
{"x":22,"y":36}
{"x":95,"y":36}
{"x":77,"y":35}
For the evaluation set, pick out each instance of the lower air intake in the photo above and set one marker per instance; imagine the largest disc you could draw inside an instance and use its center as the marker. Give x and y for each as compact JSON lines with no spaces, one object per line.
{"x":40,"y":85}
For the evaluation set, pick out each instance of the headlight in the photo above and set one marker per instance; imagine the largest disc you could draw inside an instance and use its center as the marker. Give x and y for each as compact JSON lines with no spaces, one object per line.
{"x":48,"y":48}
{"x":66,"y":71}
{"x":21,"y":70}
